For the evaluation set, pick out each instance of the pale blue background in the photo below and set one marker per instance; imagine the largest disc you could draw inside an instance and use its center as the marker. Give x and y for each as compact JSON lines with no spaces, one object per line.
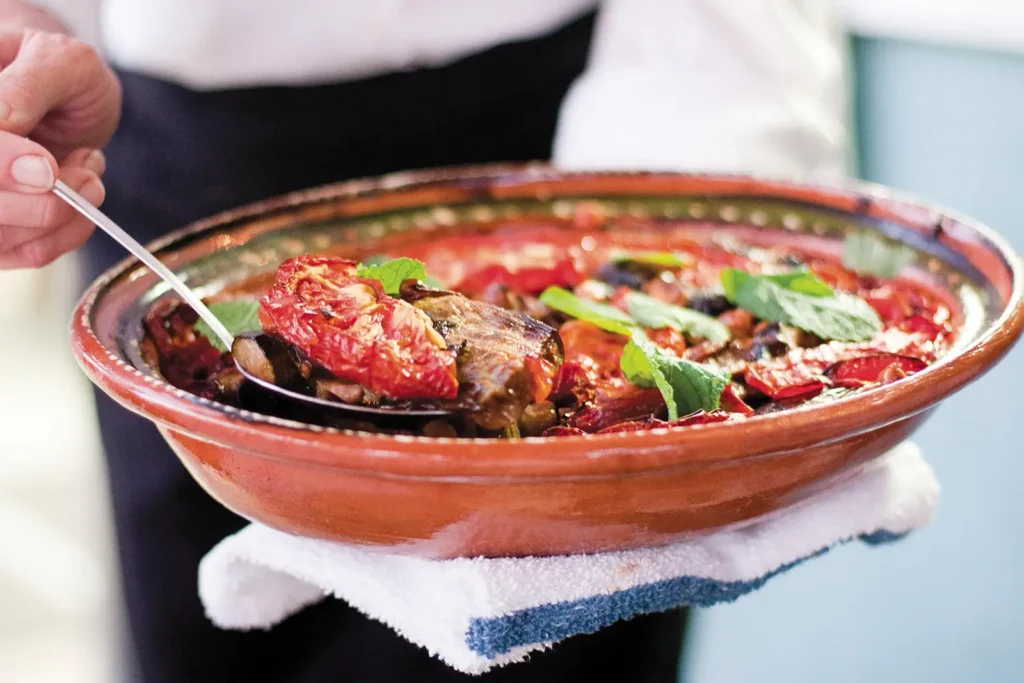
{"x":946,"y":604}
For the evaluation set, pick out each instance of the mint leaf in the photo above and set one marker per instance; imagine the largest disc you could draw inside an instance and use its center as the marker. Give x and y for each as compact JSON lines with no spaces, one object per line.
{"x":380,"y":259}
{"x":659,"y":259}
{"x":803,"y":281}
{"x":391,"y":274}
{"x":800,"y":299}
{"x":868,"y":253}
{"x":238,"y":316}
{"x":686,"y":386}
{"x":605,"y":316}
{"x":651,"y":312}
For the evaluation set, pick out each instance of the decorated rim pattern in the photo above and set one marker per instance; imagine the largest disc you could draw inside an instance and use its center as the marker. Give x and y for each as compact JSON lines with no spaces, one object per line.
{"x":263,"y":253}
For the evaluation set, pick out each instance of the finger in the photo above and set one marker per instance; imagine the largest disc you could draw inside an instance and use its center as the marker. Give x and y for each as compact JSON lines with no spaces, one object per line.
{"x":89,"y":159}
{"x":25,"y":166}
{"x":27,"y":217}
{"x":47,"y":71}
{"x":47,"y":249}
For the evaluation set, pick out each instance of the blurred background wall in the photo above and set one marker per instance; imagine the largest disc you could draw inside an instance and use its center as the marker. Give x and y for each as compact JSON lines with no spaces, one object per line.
{"x":940,"y":114}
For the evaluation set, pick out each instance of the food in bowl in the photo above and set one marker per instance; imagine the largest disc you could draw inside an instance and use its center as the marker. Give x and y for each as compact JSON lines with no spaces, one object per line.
{"x":467,"y":497}
{"x":593,"y":327}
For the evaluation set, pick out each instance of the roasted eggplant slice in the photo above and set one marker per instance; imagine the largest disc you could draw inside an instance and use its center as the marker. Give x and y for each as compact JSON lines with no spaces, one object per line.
{"x":506,"y":360}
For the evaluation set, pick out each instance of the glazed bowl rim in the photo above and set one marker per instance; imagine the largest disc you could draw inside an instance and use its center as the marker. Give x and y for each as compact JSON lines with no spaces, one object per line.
{"x":577,"y":456}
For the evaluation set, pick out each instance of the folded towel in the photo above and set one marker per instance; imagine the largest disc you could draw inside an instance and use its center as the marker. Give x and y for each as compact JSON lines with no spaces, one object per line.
{"x":479,"y":613}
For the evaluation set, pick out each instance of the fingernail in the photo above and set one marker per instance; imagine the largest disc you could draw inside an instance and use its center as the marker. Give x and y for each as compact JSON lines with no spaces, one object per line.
{"x":96,"y":162}
{"x":33,"y":172}
{"x":5,"y":111}
{"x":94,"y":192}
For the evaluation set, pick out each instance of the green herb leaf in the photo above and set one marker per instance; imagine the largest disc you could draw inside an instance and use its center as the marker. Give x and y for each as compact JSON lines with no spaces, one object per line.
{"x":605,"y":316}
{"x":651,"y":312}
{"x":686,"y":386}
{"x":391,"y":274}
{"x":238,"y":316}
{"x":868,"y":253}
{"x":380,"y":259}
{"x":800,"y":299}
{"x":659,"y":259}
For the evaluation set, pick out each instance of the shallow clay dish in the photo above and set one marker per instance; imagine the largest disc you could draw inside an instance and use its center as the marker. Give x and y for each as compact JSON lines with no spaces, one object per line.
{"x":464,"y":497}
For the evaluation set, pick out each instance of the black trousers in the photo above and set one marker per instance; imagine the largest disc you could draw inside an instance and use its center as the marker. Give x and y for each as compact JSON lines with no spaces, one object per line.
{"x":181,"y":155}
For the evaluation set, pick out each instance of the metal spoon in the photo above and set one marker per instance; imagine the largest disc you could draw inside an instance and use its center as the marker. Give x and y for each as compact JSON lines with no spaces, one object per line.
{"x":83,"y":207}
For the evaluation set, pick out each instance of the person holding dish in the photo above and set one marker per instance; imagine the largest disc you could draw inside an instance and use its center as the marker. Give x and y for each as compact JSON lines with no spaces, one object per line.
{"x":202,"y":105}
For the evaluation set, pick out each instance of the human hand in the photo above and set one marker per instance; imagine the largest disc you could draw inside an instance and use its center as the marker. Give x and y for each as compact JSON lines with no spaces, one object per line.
{"x":59,"y":105}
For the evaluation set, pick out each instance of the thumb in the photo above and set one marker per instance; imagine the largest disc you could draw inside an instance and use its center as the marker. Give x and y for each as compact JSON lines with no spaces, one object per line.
{"x":25,"y":166}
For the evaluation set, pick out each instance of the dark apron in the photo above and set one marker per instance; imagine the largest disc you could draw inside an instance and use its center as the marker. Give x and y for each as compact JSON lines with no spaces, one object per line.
{"x":181,"y":155}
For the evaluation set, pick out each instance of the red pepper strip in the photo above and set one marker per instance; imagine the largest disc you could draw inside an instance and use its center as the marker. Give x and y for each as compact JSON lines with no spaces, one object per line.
{"x":643,"y":424}
{"x":922,"y":325}
{"x":801,"y":371}
{"x":880,"y":368}
{"x":733,"y":403}
{"x":605,"y":410}
{"x":650,"y":422}
{"x":349,"y":326}
{"x":559,"y":430}
{"x":701,"y":417}
{"x":785,"y":381}
{"x":531,"y":280}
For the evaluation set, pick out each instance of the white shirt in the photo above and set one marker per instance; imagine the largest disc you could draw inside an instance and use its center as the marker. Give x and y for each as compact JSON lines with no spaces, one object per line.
{"x":711,"y":85}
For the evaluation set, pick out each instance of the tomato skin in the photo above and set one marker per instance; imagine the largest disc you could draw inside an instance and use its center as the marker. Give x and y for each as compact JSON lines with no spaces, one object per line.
{"x":881,"y":368}
{"x":350,"y":327}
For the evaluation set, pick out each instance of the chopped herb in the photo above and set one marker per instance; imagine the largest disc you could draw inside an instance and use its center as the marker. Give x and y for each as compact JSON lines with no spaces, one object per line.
{"x":686,"y":386}
{"x":391,"y":274}
{"x":238,"y":316}
{"x":659,"y":259}
{"x":651,"y":312}
{"x":802,"y":300}
{"x":868,"y":253}
{"x":605,"y":316}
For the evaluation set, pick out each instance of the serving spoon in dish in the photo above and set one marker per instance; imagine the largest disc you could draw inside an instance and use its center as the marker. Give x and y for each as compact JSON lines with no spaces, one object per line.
{"x":253,"y":356}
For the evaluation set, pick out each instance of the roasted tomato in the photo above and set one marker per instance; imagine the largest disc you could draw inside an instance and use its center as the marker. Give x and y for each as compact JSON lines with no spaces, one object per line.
{"x":350,"y":327}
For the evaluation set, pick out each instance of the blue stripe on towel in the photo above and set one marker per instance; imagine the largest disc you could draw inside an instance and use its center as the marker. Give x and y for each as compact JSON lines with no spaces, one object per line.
{"x":493,"y":636}
{"x":882,"y":537}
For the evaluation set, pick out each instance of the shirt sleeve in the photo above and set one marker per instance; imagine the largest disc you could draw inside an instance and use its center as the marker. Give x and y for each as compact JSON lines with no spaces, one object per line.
{"x":745,"y":86}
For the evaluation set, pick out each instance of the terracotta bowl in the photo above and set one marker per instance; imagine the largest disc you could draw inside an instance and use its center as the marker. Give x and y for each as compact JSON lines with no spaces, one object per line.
{"x":467,"y":497}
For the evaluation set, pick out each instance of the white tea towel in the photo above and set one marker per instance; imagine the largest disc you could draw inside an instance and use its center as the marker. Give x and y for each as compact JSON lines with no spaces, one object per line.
{"x":476,"y":614}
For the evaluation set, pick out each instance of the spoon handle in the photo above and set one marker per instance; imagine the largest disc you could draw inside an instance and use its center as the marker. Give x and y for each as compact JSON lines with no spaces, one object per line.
{"x":128,"y":242}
